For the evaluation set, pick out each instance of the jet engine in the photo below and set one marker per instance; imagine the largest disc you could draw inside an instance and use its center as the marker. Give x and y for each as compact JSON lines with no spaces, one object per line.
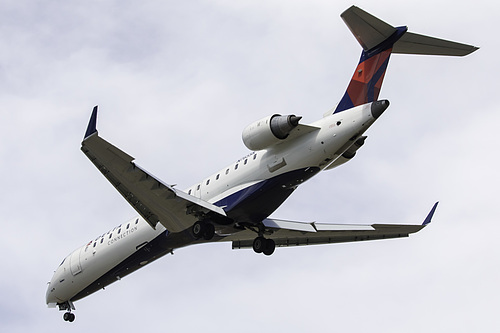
{"x":269,"y":131}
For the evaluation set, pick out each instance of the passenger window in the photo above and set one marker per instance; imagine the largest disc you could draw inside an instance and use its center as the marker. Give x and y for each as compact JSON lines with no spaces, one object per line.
{"x":198,"y":188}
{"x":128,"y":225}
{"x":95,"y":244}
{"x":254,"y":156}
{"x":119,"y":230}
{"x":217,"y":177}
{"x":189,"y":192}
{"x":246,"y":160}
{"x":227,"y":171}
{"x":136,"y":221}
{"x":102,"y":240}
{"x":208,"y":181}
{"x":236,"y":166}
{"x":110,"y":235}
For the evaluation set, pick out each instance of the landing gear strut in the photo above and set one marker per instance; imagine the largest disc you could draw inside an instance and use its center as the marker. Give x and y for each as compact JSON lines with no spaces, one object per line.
{"x":264,"y":245}
{"x":203,"y":229}
{"x":68,"y":306}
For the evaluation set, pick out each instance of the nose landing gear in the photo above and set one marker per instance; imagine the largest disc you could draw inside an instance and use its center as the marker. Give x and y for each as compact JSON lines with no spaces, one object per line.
{"x":68,"y":316}
{"x":68,"y":306}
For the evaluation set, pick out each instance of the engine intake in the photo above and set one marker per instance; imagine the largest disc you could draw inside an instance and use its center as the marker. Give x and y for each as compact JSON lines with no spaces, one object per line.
{"x":269,"y":131}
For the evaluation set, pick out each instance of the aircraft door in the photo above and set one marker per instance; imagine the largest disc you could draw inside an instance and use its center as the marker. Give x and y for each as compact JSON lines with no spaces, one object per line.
{"x":74,"y":263}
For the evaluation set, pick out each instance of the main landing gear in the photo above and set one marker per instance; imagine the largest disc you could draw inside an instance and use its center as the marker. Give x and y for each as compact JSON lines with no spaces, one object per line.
{"x":264,"y":245}
{"x":203,"y":229}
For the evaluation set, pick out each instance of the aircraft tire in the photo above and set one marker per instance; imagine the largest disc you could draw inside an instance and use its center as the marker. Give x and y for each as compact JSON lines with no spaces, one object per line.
{"x":68,"y":316}
{"x":209,"y":231}
{"x":198,"y":229}
{"x":269,"y":247}
{"x":259,"y":244}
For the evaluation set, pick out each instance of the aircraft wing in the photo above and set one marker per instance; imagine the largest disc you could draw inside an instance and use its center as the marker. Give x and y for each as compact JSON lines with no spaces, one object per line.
{"x":154,"y":200}
{"x":292,"y":233}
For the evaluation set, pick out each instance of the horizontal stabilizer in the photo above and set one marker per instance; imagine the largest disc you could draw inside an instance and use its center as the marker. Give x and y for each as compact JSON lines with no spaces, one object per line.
{"x":412,"y":43}
{"x":371,"y":33}
{"x":368,"y":30}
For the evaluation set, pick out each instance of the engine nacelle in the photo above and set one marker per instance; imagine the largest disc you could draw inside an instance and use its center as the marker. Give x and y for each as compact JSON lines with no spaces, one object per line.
{"x":269,"y":131}
{"x":348,"y":154}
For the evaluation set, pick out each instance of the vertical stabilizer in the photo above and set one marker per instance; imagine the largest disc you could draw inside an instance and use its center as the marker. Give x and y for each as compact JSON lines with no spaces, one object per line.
{"x":378,"y":40}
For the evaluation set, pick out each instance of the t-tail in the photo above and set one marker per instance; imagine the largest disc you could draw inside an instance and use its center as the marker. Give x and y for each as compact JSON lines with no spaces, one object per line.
{"x":379,"y":40}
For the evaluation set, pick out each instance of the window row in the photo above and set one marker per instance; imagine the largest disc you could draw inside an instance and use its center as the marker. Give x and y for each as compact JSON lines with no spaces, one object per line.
{"x":218,"y":175}
{"x":111,"y":232}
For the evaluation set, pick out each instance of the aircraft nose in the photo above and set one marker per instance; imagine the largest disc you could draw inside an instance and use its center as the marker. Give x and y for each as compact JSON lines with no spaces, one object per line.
{"x":378,"y":107}
{"x":49,"y":295}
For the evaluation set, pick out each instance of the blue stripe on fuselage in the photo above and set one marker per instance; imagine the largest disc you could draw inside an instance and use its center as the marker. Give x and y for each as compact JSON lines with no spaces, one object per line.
{"x":256,"y":202}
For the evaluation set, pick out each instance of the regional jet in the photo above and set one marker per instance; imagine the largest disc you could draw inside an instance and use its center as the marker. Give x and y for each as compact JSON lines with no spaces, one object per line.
{"x":235,"y":203}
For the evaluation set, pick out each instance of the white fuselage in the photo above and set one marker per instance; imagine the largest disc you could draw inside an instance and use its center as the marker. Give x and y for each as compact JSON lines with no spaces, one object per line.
{"x":87,"y":265}
{"x":305,"y":151}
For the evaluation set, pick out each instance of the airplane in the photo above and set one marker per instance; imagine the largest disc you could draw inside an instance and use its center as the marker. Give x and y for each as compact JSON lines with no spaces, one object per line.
{"x":234,"y":204}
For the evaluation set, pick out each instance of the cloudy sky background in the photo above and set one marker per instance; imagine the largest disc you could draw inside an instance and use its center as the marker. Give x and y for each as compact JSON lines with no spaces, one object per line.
{"x":176,"y":83}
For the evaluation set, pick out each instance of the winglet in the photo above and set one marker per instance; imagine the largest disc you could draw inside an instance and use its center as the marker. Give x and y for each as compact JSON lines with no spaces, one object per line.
{"x":92,"y":127}
{"x":429,"y":216}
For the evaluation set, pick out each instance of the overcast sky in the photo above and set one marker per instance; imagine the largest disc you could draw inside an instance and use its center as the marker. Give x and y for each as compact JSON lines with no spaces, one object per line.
{"x":176,"y":83}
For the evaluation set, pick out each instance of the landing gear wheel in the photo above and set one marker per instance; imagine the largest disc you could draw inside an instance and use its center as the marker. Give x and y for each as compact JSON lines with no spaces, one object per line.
{"x":203,"y":229}
{"x":198,"y":229}
{"x":68,"y":316}
{"x":263,"y":245}
{"x":259,"y":244}
{"x":209,"y":231}
{"x":269,"y":247}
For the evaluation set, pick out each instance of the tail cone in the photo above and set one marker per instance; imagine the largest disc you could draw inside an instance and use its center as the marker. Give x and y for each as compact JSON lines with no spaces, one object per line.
{"x":379,"y":107}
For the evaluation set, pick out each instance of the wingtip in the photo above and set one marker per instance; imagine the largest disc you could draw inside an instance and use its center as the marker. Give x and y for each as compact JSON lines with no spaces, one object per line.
{"x":92,"y":126}
{"x":428,"y":219}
